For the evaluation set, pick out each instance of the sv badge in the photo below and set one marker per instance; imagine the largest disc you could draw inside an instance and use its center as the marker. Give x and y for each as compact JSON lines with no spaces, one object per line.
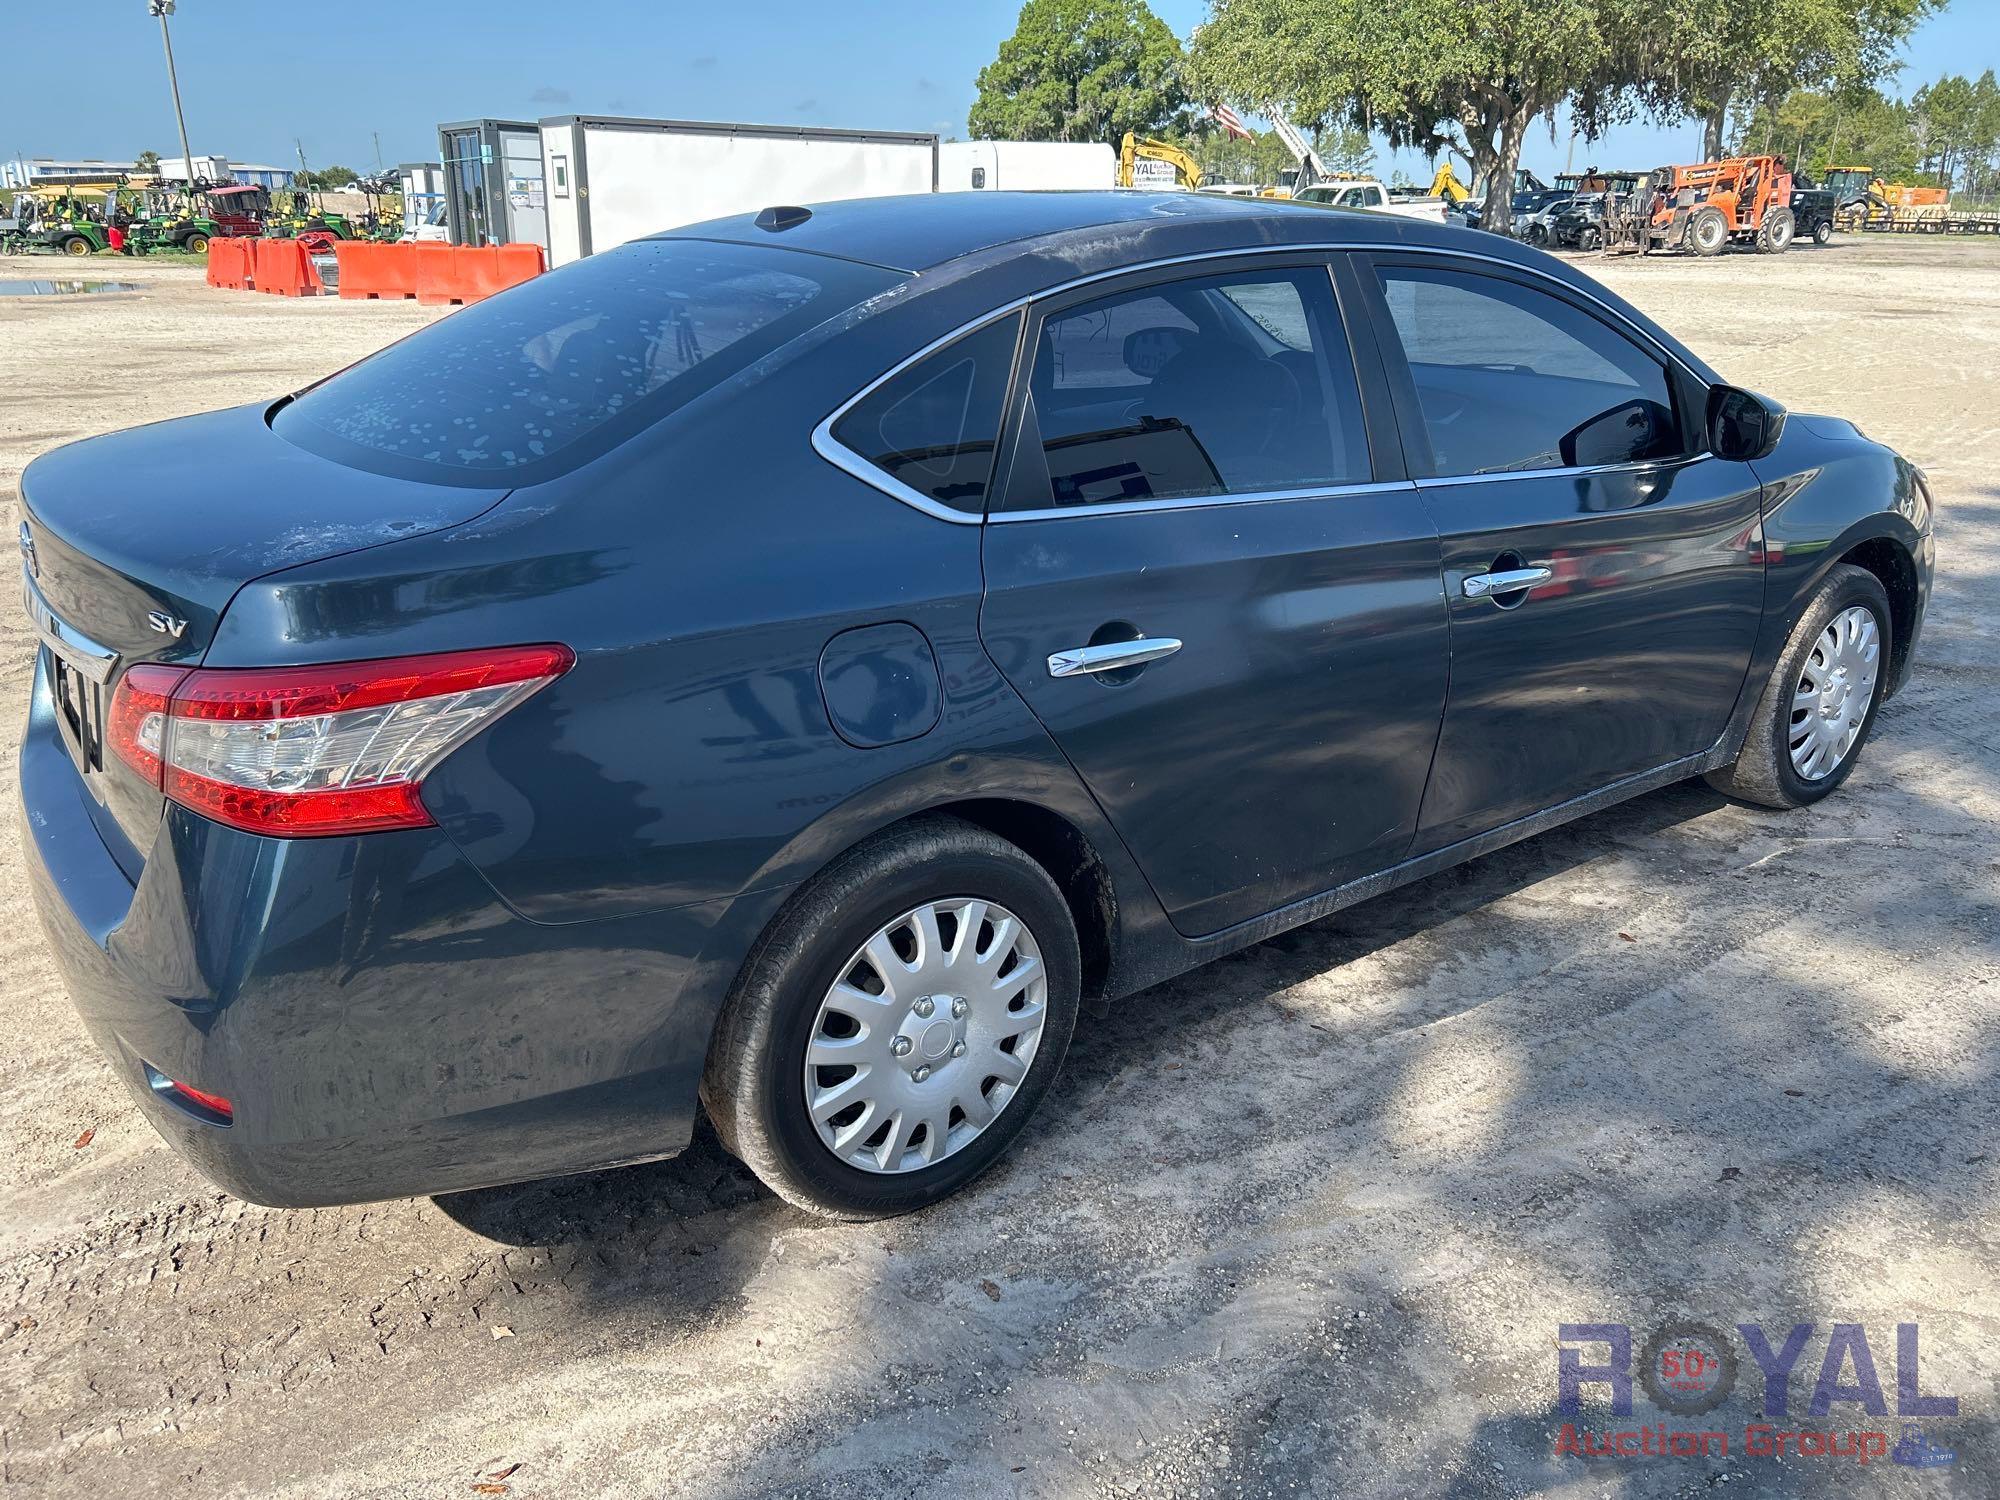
{"x":165,"y":623}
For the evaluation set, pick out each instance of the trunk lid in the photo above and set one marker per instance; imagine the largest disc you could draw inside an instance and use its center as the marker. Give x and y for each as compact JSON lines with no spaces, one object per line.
{"x":133,"y":544}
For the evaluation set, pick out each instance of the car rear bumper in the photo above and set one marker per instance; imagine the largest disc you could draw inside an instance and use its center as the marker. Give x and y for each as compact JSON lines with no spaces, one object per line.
{"x":382,"y":1024}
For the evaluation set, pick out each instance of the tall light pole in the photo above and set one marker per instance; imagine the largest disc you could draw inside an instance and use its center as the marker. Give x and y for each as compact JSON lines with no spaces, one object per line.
{"x":163,"y":9}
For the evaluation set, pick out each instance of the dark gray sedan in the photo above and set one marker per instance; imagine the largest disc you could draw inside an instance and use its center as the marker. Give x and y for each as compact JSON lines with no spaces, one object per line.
{"x":789,"y":665}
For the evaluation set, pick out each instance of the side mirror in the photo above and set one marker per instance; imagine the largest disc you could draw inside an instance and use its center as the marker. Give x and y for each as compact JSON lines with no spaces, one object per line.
{"x":1742,"y":425}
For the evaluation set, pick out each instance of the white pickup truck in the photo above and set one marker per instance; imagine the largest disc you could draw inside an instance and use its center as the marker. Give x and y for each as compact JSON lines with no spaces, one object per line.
{"x":1366,"y":192}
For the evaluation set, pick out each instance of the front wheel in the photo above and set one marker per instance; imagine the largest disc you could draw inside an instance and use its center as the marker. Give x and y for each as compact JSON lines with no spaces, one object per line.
{"x":1589,"y":238}
{"x":1708,"y":231}
{"x":893,"y":1032}
{"x":1820,"y":702}
{"x":1774,"y":235}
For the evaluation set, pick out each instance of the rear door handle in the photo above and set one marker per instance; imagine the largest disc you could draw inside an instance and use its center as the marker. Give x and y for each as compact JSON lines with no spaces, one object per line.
{"x":1512,"y":581}
{"x":1111,"y":656}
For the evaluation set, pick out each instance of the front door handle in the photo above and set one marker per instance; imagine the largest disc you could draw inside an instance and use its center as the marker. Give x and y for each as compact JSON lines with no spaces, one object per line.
{"x":1511,"y":581}
{"x":1111,"y":657}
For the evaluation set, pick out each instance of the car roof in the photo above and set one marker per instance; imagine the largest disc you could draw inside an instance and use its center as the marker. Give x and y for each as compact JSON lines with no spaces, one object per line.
{"x":1017,"y":245}
{"x":921,"y":232}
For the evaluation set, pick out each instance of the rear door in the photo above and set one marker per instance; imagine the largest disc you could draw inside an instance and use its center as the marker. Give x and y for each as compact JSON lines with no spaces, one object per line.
{"x":1227,"y":617}
{"x":1604,"y":571}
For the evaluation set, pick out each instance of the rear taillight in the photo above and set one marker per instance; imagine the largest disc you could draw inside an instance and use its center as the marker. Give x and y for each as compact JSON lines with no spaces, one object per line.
{"x":301,"y":751}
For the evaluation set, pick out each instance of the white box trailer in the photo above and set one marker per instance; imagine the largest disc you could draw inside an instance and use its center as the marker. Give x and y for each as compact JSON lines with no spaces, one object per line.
{"x":1033,"y":166}
{"x":612,"y":180}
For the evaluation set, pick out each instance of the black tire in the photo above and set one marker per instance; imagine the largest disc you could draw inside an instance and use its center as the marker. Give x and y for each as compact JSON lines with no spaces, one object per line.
{"x":1775,"y":234}
{"x":1707,"y":231}
{"x":195,"y":244}
{"x":76,"y":244}
{"x":753,"y":1085}
{"x":1823,"y":232}
{"x":1763,"y":772}
{"x":1589,"y":238}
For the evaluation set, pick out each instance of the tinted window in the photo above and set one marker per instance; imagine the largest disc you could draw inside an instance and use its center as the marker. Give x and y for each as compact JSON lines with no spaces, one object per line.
{"x":513,"y":389}
{"x":1220,"y":385}
{"x":933,"y":426}
{"x":1512,"y":378}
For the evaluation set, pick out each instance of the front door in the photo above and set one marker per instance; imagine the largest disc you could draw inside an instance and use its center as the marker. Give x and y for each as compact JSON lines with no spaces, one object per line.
{"x":1605,"y":575}
{"x":1234,"y":631}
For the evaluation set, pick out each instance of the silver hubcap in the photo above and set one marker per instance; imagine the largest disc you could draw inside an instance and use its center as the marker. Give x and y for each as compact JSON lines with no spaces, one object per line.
{"x":926,"y":1036}
{"x":1835,"y":688}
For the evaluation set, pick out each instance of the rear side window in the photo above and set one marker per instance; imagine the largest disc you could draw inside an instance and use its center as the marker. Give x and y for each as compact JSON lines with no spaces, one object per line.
{"x":525,"y":385}
{"x":1509,"y":378}
{"x":932,"y":427}
{"x":1218,"y":385}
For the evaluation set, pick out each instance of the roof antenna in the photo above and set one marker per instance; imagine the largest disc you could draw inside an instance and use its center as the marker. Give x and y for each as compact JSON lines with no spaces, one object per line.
{"x":783,"y":217}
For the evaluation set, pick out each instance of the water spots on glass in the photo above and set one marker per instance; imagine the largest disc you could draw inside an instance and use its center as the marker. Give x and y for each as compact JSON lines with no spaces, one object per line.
{"x":579,"y":358}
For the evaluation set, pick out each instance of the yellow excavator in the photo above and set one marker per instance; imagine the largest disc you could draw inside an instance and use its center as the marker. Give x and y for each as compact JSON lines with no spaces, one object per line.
{"x":1447,"y":186}
{"x":1136,"y":148}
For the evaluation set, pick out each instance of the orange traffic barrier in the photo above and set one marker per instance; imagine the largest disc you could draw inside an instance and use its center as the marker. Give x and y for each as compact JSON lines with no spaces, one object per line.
{"x":229,"y":262}
{"x":283,"y":268}
{"x":370,"y":272}
{"x":478,"y":272}
{"x":438,"y":281}
{"x":519,"y":263}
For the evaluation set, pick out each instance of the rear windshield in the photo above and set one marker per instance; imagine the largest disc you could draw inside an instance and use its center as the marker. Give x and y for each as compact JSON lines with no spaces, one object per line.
{"x":519,"y":388}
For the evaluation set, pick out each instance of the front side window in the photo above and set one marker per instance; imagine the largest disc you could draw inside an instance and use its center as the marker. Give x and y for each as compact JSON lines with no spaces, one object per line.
{"x":933,"y":426}
{"x":1220,"y":385}
{"x":1509,"y":378}
{"x":524,"y":385}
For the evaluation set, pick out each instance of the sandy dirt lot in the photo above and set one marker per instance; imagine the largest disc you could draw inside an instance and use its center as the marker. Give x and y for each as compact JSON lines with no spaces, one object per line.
{"x":1304,"y":1222}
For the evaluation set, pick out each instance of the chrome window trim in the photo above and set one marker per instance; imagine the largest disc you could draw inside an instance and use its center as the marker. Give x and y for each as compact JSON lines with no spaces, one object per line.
{"x":853,"y":464}
{"x":1201,"y":502}
{"x":830,"y":448}
{"x":1580,"y":471}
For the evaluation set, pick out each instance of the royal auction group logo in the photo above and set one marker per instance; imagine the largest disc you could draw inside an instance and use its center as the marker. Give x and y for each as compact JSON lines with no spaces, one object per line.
{"x":1689,"y":1369}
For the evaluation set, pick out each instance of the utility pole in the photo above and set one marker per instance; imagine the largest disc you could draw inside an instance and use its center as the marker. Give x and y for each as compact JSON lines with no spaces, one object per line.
{"x":163,"y":9}
{"x":379,"y":168}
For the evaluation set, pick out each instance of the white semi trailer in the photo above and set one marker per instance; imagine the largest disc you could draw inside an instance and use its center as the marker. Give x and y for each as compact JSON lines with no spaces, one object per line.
{"x":1034,"y":166}
{"x":612,"y":180}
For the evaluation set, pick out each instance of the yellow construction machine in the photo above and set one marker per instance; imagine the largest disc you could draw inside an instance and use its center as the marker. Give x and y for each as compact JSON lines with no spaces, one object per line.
{"x":1137,"y":148}
{"x":1447,"y":186}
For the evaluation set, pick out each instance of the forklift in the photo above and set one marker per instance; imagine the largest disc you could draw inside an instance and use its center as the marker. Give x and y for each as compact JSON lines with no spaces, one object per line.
{"x":1705,"y":208}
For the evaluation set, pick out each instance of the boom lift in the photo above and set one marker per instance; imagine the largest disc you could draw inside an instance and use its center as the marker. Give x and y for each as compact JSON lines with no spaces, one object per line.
{"x":1311,"y":168}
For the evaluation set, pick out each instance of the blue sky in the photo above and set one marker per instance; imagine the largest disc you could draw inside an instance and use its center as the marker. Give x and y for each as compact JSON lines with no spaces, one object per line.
{"x":255,"y":76}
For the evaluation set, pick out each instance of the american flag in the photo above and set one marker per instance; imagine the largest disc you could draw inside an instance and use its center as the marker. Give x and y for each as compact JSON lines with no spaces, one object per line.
{"x":1230,"y":121}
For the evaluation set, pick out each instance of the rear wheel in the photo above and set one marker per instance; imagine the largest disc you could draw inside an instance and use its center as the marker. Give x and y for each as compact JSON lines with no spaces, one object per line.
{"x":890,"y":1036}
{"x":1823,"y":232}
{"x":1820,"y":702}
{"x":1707,"y":231}
{"x":1774,"y":235}
{"x":76,"y":244}
{"x":195,"y":244}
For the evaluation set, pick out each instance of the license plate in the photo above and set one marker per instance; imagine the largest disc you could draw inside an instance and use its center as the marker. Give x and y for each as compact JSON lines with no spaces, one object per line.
{"x":80,"y":711}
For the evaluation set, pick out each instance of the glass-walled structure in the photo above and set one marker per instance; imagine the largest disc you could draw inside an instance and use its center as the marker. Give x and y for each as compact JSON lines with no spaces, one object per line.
{"x":493,"y":191}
